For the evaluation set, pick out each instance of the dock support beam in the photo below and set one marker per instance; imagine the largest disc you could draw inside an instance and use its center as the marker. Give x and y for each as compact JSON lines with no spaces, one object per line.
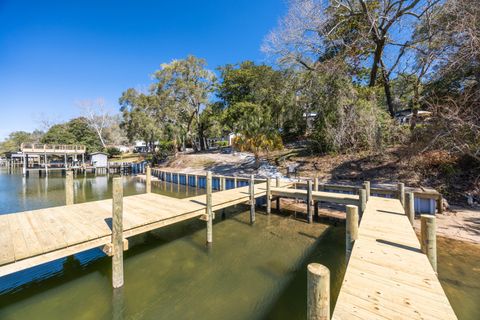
{"x":401,"y":193}
{"x":69,"y":188}
{"x":351,"y":230}
{"x":148,"y":180}
{"x":309,"y":201}
{"x":251,"y":188}
{"x":362,"y":198}
{"x":117,"y":233}
{"x":269,"y":196}
{"x":318,"y":295}
{"x":208,"y":209}
{"x":429,"y":238}
{"x":410,"y":207}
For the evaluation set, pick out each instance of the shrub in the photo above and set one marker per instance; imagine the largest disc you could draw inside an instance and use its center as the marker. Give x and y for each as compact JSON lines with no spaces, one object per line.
{"x":113,"y":151}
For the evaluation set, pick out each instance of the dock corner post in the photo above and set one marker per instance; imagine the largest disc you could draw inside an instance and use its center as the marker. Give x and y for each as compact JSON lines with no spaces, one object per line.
{"x":366,"y":186}
{"x":318,"y":295}
{"x":351,"y":230}
{"x":410,"y":207}
{"x":269,"y":196}
{"x":309,"y":201}
{"x":315,"y":184}
{"x":69,"y":198}
{"x":148,"y":179}
{"x":251,"y":188}
{"x":209,"y":211}
{"x":362,"y":195}
{"x":117,"y":233}
{"x":401,"y":193}
{"x":429,"y":238}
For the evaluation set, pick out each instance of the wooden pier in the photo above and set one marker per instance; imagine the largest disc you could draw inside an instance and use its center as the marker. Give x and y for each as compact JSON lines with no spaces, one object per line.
{"x":388,"y":274}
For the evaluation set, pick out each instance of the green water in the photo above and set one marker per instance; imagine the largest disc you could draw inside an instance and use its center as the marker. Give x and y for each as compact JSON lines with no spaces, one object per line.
{"x":251,"y":272}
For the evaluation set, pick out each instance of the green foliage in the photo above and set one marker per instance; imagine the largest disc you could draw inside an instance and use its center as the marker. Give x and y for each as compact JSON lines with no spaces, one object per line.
{"x":113,"y":151}
{"x":75,"y":131}
{"x":15,"y":139}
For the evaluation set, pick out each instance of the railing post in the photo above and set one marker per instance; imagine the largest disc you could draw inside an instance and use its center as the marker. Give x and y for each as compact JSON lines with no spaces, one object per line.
{"x":148,"y":180}
{"x":318,"y":295}
{"x":117,"y":233}
{"x":401,"y":192}
{"x":362,"y":195}
{"x":251,"y":188}
{"x":315,"y":184}
{"x":410,"y":207}
{"x":269,"y":196}
{"x":309,"y":201}
{"x":429,"y":238}
{"x":69,"y":188}
{"x":208,"y":209}
{"x":351,"y":232}
{"x":235,"y":182}
{"x":366,"y":186}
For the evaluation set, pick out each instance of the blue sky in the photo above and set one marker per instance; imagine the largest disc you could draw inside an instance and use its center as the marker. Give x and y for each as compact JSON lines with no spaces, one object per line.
{"x":55,"y":53}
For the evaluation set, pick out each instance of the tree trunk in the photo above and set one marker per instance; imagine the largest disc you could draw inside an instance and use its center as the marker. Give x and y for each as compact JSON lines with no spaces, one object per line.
{"x":388,"y":94}
{"x":377,"y":55}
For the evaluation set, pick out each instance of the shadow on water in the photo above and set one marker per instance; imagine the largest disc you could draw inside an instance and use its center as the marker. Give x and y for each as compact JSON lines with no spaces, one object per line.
{"x":327,"y":250}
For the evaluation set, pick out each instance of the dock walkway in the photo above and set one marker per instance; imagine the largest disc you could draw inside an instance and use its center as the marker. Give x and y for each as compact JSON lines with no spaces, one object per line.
{"x":388,"y":277}
{"x":34,"y":237}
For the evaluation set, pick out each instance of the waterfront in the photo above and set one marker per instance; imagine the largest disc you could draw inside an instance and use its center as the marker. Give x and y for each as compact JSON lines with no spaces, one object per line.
{"x":252,"y":272}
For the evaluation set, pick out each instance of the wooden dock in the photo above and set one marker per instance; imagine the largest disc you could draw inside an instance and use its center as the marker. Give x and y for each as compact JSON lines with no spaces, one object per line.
{"x":34,"y":237}
{"x":388,"y":276}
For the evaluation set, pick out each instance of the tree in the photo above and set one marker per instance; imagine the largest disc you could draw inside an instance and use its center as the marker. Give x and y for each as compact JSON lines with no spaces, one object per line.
{"x":363,"y":33}
{"x":187,"y":84}
{"x":15,"y":139}
{"x":75,"y":131}
{"x":105,"y":125}
{"x":259,"y":84}
{"x":254,"y":129}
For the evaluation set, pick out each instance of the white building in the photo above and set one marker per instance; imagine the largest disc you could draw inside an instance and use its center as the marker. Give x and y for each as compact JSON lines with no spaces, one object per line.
{"x":99,"y":159}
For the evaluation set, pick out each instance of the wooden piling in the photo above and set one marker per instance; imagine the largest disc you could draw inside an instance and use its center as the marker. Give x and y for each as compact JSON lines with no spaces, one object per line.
{"x":117,"y":233}
{"x":148,"y":180}
{"x":208,"y":209}
{"x":309,"y":201}
{"x":315,"y":184}
{"x":235,"y":183}
{"x":362,"y":195}
{"x":410,"y":207}
{"x":401,"y":193}
{"x":277,"y":184}
{"x":318,"y":295}
{"x":251,"y":188}
{"x":429,"y":238}
{"x":269,"y":196}
{"x":69,"y":197}
{"x":222,"y":183}
{"x":351,"y":230}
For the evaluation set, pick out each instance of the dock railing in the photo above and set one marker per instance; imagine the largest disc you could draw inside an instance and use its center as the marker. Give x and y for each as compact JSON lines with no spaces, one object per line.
{"x":51,"y":148}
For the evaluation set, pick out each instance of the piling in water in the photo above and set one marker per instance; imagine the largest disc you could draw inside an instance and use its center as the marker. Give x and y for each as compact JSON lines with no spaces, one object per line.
{"x":269,"y":196}
{"x":309,"y":201}
{"x":148,"y":179}
{"x":117,"y":233}
{"x":208,"y":209}
{"x":351,"y":230}
{"x":251,"y":188}
{"x":410,"y":207}
{"x":69,"y":188}
{"x":318,"y":292}
{"x":429,"y":238}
